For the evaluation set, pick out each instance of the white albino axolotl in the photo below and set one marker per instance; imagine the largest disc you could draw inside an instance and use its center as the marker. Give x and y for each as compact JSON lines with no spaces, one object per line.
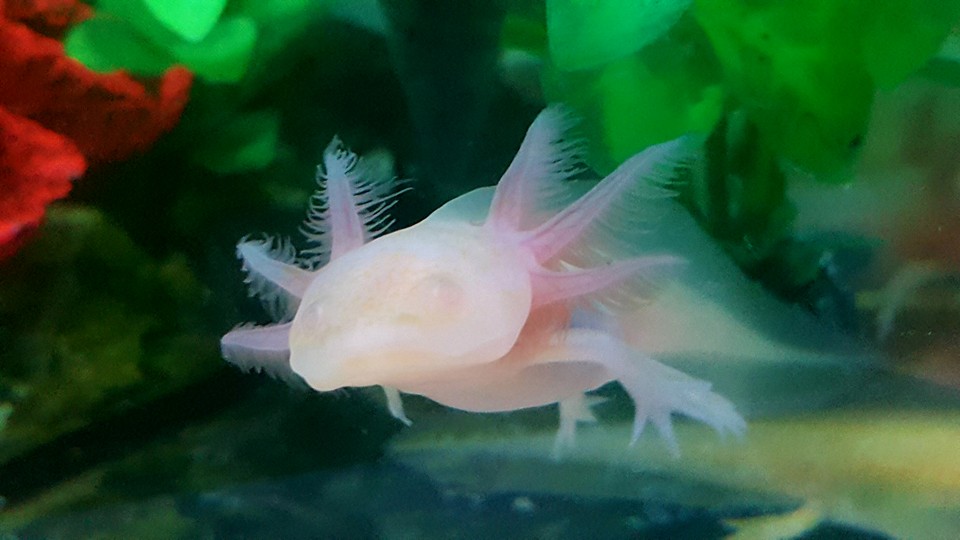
{"x":492,"y":303}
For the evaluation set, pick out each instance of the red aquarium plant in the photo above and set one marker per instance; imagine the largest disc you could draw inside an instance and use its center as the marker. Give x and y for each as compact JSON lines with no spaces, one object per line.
{"x":57,"y":117}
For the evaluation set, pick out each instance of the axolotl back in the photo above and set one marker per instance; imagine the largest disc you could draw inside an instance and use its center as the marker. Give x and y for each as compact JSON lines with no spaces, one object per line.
{"x":500,"y":300}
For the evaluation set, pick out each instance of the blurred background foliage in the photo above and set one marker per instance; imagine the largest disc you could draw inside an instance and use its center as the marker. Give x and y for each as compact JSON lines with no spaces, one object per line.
{"x":778,"y":86}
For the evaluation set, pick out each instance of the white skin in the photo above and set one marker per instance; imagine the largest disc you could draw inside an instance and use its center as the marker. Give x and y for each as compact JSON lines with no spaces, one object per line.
{"x":487,"y":305}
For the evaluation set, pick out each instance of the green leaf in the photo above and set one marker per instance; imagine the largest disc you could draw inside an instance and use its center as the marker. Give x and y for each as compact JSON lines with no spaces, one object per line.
{"x":224,"y":55}
{"x":135,"y":14}
{"x":798,"y":70}
{"x":220,"y":55}
{"x":588,"y":33}
{"x":807,"y":70}
{"x":190,"y":19}
{"x":901,"y":36}
{"x":107,"y":44}
{"x":640,"y":107}
{"x":669,"y":88}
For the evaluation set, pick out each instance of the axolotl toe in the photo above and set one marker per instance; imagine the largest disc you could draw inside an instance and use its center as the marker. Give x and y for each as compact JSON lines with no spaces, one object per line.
{"x":502,"y":299}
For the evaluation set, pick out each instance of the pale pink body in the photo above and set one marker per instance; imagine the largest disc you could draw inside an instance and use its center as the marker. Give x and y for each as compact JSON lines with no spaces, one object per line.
{"x":500,"y":300}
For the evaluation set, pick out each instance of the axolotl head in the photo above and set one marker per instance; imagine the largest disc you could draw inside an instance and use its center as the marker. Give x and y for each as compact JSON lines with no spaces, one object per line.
{"x":415,"y":303}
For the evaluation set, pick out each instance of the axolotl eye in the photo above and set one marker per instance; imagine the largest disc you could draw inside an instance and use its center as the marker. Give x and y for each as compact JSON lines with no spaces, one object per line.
{"x":407,"y":307}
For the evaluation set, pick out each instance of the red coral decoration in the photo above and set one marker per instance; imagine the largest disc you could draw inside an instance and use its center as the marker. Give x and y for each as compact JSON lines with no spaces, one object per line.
{"x":36,"y":167}
{"x":48,"y":17}
{"x":56,"y":116}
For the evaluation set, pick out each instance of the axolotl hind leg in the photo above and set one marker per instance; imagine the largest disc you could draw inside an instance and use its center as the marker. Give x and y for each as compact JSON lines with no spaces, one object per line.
{"x":658,"y":391}
{"x":572,"y":362}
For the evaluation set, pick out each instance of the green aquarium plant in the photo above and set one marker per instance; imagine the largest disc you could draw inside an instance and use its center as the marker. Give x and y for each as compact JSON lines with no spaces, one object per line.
{"x":588,"y":34}
{"x":641,"y":73}
{"x":804,"y":71}
{"x":219,"y":40}
{"x":776,"y":86}
{"x":147,"y":36}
